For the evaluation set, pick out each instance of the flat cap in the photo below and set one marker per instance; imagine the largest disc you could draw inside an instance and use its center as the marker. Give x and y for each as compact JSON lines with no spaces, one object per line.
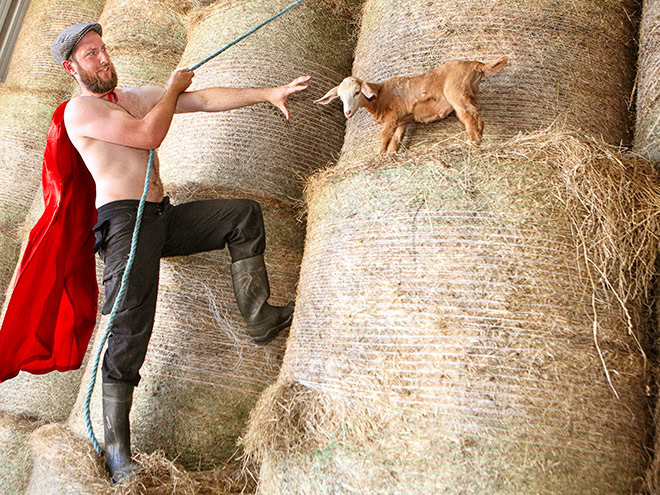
{"x":67,"y":40}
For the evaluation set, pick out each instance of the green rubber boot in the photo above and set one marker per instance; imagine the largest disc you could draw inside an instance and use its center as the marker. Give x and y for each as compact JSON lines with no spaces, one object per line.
{"x":117,"y":401}
{"x":252,"y":291}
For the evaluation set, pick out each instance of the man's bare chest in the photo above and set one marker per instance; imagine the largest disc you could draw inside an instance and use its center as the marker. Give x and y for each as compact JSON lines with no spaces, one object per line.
{"x":132,"y":105}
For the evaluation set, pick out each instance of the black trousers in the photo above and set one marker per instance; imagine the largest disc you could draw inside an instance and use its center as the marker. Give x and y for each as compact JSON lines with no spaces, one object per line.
{"x":165,"y":230}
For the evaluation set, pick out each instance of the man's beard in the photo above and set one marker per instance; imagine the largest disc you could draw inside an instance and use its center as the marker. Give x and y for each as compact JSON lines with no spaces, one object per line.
{"x":95,"y":84}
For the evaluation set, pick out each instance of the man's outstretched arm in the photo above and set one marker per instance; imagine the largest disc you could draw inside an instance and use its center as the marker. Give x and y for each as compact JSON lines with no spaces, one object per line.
{"x":222,"y":99}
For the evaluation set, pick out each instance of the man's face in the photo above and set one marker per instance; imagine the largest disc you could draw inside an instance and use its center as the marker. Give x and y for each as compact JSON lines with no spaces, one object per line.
{"x":91,"y":61}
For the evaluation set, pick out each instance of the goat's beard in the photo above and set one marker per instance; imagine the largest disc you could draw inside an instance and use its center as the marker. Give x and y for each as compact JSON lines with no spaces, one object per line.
{"x":97,"y":85}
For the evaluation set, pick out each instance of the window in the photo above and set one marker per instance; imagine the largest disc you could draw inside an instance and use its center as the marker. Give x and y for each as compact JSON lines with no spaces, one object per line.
{"x":11,"y":18}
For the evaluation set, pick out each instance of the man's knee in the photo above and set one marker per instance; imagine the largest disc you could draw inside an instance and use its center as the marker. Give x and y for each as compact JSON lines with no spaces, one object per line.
{"x":249,"y":237}
{"x":251,"y":209}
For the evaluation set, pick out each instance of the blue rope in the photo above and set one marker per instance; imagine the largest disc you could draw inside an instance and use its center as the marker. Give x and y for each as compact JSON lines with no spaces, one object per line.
{"x":136,"y":231}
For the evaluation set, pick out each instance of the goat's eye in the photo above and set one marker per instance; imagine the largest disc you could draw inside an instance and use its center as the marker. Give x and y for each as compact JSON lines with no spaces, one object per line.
{"x":356,"y":93}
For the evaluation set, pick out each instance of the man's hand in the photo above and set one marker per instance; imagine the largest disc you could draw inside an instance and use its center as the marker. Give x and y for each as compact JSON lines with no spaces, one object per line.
{"x":279,"y":94}
{"x":180,"y":80}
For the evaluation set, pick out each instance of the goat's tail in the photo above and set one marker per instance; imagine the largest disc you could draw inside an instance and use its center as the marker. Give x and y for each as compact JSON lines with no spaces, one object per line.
{"x":494,"y":67}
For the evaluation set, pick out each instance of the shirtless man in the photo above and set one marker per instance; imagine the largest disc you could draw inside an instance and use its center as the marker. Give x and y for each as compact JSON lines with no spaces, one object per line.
{"x":113,"y":129}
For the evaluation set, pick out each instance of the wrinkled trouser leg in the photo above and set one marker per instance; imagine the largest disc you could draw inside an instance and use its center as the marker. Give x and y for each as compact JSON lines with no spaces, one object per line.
{"x":134,"y":319}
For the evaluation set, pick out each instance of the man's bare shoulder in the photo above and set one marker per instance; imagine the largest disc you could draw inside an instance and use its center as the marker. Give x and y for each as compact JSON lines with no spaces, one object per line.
{"x":83,"y":108}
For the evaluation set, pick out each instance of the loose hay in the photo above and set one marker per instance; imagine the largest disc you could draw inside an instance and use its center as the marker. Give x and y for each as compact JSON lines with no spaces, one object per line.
{"x":647,"y":130}
{"x":65,"y":464}
{"x":203,"y":373}
{"x":569,"y":62}
{"x":256,"y":148}
{"x":15,"y":458}
{"x":470,"y":321}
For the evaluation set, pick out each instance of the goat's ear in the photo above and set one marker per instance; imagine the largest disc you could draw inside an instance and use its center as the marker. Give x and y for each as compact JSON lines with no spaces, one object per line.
{"x":367,"y":90}
{"x":329,"y":96}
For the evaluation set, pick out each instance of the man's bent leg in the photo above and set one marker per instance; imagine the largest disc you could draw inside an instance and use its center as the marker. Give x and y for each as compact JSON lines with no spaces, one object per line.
{"x":238,"y":223}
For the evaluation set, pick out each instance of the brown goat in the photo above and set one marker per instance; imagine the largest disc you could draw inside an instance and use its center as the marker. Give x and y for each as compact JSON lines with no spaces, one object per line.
{"x":425,"y":98}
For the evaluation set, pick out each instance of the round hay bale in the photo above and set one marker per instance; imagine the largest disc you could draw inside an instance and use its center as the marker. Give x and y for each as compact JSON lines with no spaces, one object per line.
{"x":647,"y":130}
{"x":15,"y":457}
{"x":31,"y":66}
{"x":568,"y":62}
{"x":451,"y":333}
{"x":25,"y":119}
{"x":256,"y":148}
{"x":65,"y":464}
{"x":203,"y":373}
{"x":145,"y":38}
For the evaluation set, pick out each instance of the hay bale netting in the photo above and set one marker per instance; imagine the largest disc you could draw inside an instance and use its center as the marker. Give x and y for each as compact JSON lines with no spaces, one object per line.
{"x":31,"y":66}
{"x":444,"y":332}
{"x":15,"y":457}
{"x":146,"y":39}
{"x":65,"y":464}
{"x":568,"y":62}
{"x":203,"y":373}
{"x":647,"y":130}
{"x":256,"y":148}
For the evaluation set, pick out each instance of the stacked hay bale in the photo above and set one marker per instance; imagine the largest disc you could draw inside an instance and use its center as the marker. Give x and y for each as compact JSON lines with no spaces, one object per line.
{"x":203,"y":373}
{"x":457,"y":342}
{"x":647,"y":129}
{"x":146,"y":39}
{"x":468,"y":320}
{"x":568,"y":63}
{"x":647,"y":142}
{"x":241,"y":148}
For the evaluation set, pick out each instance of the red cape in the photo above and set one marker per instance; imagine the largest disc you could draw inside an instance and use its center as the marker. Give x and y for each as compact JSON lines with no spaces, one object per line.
{"x":52,"y":311}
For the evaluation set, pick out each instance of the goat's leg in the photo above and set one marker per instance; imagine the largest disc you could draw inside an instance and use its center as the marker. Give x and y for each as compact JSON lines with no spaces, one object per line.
{"x":467,"y":113}
{"x":386,"y":136}
{"x":480,"y":120}
{"x":397,"y":138}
